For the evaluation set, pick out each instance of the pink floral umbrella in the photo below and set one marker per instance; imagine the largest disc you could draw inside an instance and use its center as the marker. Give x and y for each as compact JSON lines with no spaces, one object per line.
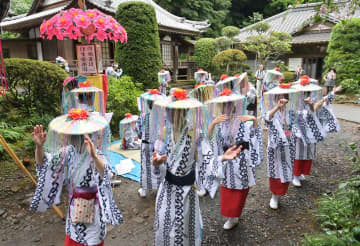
{"x":78,"y":23}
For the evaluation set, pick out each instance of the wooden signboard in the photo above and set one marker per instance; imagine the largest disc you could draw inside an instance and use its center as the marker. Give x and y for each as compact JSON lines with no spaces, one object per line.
{"x":89,"y":59}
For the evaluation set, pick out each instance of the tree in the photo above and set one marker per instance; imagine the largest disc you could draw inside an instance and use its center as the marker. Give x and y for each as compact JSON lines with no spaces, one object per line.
{"x":267,"y":45}
{"x":140,"y":57}
{"x":228,"y":59}
{"x":344,"y":50}
{"x":20,"y":6}
{"x":200,"y":10}
{"x":223,"y":43}
{"x":205,"y":50}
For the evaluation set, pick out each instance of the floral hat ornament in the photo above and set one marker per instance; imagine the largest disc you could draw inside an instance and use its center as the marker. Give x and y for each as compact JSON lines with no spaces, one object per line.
{"x":179,"y":94}
{"x":308,"y":88}
{"x":78,"y":23}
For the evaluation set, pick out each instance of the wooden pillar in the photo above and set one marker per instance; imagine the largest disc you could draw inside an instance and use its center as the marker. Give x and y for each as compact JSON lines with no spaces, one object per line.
{"x":176,"y":61}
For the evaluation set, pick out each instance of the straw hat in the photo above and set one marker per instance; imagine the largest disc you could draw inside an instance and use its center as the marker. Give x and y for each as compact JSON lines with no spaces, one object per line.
{"x":69,"y":125}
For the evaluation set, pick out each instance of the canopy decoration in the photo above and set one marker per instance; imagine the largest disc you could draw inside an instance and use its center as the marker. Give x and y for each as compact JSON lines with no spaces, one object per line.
{"x":87,"y":24}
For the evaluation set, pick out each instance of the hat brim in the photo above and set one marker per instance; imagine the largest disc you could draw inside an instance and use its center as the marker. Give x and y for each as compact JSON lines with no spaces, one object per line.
{"x":65,"y":125}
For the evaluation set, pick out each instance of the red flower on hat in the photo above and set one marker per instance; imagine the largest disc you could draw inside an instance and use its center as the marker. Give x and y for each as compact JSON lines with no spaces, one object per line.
{"x":226,"y":92}
{"x":154,"y":91}
{"x":85,"y":84}
{"x":200,"y":70}
{"x":67,"y":80}
{"x":277,"y":69}
{"x":200,"y":84}
{"x":237,"y":75}
{"x":78,"y":114}
{"x":162,"y":71}
{"x":305,"y":77}
{"x":304,"y":81}
{"x":224,"y":76}
{"x":285,"y":85}
{"x":180,"y":94}
{"x":128,"y":115}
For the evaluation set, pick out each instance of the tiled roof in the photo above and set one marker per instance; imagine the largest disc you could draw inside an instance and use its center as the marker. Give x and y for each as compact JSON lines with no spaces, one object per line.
{"x":308,"y":38}
{"x":164,"y":18}
{"x":25,"y":20}
{"x":293,"y":19}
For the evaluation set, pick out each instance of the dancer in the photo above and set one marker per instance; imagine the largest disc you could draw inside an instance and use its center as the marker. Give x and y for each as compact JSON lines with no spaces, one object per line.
{"x":238,"y":174}
{"x":164,"y":79}
{"x":280,"y":151}
{"x":129,"y":132}
{"x":308,"y":131}
{"x":177,"y":211}
{"x":82,"y":165}
{"x":151,"y":176}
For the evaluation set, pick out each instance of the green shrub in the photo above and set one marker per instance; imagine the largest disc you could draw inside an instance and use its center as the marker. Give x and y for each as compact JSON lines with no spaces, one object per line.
{"x":223,"y":43}
{"x":229,"y":60}
{"x":34,"y":87}
{"x":140,"y":57}
{"x":205,"y":50}
{"x":339,"y":213}
{"x":289,"y":76}
{"x":351,"y":85}
{"x":122,"y":99}
{"x":344,"y":50}
{"x":230,"y":31}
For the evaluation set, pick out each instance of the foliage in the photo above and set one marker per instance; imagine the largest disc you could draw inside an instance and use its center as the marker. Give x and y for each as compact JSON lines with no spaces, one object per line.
{"x":140,"y":57}
{"x":256,"y":17}
{"x":344,"y":50}
{"x":339,"y":213}
{"x":122,"y":99}
{"x":9,"y":35}
{"x":267,"y":46}
{"x":230,"y":31}
{"x":351,"y":86}
{"x":20,"y":6}
{"x":223,"y":43}
{"x":34,"y":87}
{"x":205,"y":50}
{"x":200,"y":10}
{"x":228,"y":59}
{"x":289,"y":76}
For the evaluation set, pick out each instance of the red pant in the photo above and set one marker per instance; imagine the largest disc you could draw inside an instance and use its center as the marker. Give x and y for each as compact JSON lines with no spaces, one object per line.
{"x":302,"y":167}
{"x":278,"y":188}
{"x":232,"y":201}
{"x":70,"y":242}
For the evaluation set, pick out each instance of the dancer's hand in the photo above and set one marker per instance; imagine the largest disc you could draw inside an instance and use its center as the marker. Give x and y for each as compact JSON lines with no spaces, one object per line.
{"x":158,"y":159}
{"x":38,"y":135}
{"x":337,"y":89}
{"x":308,"y":101}
{"x":282,"y":102}
{"x":90,"y":147}
{"x":231,"y":153}
{"x":220,"y":118}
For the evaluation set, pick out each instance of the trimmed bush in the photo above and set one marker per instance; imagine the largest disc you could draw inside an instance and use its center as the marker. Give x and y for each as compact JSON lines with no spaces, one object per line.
{"x":230,"y":31}
{"x":34,"y":87}
{"x":223,"y":43}
{"x":122,"y":99}
{"x":351,"y":86}
{"x":229,"y":60}
{"x":205,"y":50}
{"x":289,"y":76}
{"x":344,"y":50}
{"x":140,"y":57}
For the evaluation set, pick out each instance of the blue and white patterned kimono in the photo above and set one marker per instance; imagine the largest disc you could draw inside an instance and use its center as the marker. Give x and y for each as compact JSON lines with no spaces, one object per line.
{"x":307,"y":133}
{"x":239,"y":173}
{"x":177,"y":212}
{"x":50,"y":184}
{"x":327,"y":117}
{"x":151,"y":176}
{"x":281,"y":149}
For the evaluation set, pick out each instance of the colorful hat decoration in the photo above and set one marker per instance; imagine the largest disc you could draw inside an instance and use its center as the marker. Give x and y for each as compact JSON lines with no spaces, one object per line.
{"x":179,"y":94}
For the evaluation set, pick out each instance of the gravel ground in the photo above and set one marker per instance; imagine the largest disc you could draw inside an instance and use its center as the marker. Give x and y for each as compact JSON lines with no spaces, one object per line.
{"x":259,"y":225}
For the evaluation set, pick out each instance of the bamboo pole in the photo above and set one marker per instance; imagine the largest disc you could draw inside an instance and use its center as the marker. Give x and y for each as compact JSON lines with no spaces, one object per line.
{"x":24,"y":169}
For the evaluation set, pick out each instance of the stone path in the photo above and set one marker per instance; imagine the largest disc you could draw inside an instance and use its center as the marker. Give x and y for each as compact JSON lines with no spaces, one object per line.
{"x":347,"y":112}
